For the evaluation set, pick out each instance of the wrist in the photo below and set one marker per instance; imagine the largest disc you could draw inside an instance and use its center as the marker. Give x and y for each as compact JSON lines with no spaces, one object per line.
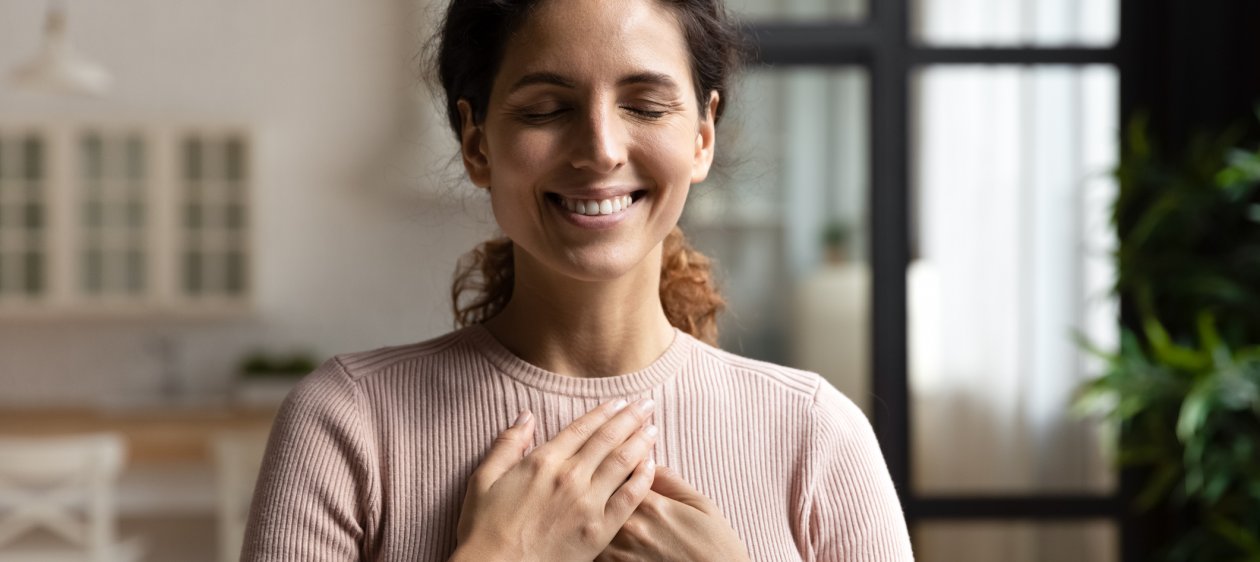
{"x":475,"y":551}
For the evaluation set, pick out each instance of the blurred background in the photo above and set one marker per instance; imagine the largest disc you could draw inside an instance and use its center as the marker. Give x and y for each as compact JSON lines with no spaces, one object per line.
{"x":200,"y":201}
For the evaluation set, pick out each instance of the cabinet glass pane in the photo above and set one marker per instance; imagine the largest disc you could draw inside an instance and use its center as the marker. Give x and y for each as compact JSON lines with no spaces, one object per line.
{"x":23,"y":214}
{"x":1010,"y":258}
{"x":833,"y":10}
{"x":1041,"y":23}
{"x":1093,"y":541}
{"x":113,"y":189}
{"x":214,"y":211}
{"x":784,"y":217}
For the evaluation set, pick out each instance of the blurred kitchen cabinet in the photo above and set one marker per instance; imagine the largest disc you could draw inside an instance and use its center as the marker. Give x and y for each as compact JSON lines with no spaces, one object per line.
{"x":125,"y":218}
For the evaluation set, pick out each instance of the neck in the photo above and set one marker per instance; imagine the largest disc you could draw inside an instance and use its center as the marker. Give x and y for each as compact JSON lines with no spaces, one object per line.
{"x":585,"y":328}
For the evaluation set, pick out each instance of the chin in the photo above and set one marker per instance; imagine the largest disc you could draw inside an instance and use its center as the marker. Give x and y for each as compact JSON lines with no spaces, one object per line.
{"x":598,"y":270}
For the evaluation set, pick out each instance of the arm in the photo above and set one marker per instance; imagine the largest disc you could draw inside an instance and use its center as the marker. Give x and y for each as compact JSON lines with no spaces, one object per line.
{"x":851,"y":509}
{"x":316,"y":492}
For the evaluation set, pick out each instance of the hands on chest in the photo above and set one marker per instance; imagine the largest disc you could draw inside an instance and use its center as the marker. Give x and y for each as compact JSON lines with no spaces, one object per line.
{"x":591,"y":493}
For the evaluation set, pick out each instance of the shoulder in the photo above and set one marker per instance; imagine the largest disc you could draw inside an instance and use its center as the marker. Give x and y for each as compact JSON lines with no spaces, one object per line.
{"x":364,"y":365}
{"x":736,"y":369}
{"x":817,"y":399}
{"x":338,"y":383}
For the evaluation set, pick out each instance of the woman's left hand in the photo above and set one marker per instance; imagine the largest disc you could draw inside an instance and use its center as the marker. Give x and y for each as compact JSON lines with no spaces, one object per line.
{"x":675,"y":522}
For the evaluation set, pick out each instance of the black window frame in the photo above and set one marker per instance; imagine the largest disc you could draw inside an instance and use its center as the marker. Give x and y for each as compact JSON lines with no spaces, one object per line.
{"x":883,"y":44}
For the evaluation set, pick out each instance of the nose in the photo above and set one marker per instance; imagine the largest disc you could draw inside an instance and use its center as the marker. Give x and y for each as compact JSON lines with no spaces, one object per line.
{"x":600,"y":144}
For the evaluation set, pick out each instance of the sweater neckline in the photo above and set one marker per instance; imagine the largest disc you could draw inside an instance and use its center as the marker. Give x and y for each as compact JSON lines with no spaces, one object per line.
{"x":661,"y":369}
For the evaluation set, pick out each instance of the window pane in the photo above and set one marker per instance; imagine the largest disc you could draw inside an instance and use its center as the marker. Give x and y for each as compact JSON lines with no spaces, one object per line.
{"x":1095,"y":541}
{"x":835,"y":10}
{"x":93,"y":159}
{"x":192,"y":273}
{"x":235,"y":274}
{"x":135,"y":159}
{"x":93,"y":271}
{"x":34,"y":169}
{"x":1045,"y":23}
{"x":235,"y":160}
{"x":786,"y":223}
{"x":1010,"y":258}
{"x":34,"y":284}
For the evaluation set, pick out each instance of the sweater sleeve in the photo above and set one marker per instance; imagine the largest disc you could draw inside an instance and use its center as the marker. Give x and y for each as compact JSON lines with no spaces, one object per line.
{"x":316,"y":492}
{"x":853,"y":514}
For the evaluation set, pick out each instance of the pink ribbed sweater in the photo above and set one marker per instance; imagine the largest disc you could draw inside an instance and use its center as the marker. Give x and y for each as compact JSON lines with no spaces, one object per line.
{"x":369,"y":455}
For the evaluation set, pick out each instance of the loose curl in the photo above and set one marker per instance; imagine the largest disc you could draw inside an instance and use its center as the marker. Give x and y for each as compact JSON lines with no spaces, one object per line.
{"x":469,"y":48}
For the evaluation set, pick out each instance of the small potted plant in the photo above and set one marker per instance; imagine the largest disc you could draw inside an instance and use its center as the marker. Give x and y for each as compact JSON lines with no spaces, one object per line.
{"x":264,"y":379}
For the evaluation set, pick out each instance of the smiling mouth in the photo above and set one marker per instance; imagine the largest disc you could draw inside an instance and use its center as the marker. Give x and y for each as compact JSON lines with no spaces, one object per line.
{"x":592,"y":207}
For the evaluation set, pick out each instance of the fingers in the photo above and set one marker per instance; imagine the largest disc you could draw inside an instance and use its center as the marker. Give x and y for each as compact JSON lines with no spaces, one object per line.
{"x":507,"y":450}
{"x":629,"y":495}
{"x":571,"y":438}
{"x":612,"y":471}
{"x":670,"y":484}
{"x":613,"y":434}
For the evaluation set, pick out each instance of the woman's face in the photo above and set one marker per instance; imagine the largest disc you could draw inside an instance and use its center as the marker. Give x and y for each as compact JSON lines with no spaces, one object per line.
{"x":592,"y":136}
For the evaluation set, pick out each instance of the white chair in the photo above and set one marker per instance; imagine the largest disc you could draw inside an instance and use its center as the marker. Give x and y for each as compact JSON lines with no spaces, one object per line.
{"x":238,"y":455}
{"x":57,"y":499}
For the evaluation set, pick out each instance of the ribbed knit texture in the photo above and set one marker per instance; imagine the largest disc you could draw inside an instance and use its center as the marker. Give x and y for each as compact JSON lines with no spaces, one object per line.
{"x":370,"y":454}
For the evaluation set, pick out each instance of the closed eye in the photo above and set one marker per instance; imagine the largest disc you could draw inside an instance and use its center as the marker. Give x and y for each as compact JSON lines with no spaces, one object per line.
{"x":646,"y":113}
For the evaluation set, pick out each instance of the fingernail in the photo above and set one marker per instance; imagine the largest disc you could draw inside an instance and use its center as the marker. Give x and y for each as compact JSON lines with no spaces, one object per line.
{"x":650,"y":430}
{"x":521,"y":419}
{"x":651,"y":464}
{"x":618,"y":405}
{"x":646,"y":405}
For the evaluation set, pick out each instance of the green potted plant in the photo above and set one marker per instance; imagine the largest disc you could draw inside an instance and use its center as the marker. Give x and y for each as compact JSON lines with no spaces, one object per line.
{"x":265,"y":378}
{"x":1183,"y":389}
{"x":835,"y":239}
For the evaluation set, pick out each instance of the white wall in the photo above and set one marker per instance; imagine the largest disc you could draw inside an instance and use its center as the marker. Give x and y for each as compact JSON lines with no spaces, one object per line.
{"x":358,"y":226}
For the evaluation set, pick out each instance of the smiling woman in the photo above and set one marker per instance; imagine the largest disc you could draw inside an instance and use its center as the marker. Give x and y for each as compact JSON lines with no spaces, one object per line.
{"x":591,"y":324}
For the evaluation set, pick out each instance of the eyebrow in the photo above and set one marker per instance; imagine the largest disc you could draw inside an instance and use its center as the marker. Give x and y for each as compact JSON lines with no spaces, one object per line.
{"x":551,"y":78}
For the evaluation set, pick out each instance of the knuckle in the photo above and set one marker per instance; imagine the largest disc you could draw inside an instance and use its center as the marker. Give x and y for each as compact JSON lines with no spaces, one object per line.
{"x":634,"y":528}
{"x":624,"y":458}
{"x":627,"y":499}
{"x":565,"y":479}
{"x":504,"y":439}
{"x":581,"y":429}
{"x":652,"y":506}
{"x":607,"y":438}
{"x":539,"y":461}
{"x":590,"y":532}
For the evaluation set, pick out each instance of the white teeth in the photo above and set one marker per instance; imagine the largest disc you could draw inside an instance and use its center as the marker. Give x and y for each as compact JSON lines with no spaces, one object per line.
{"x":605,"y":207}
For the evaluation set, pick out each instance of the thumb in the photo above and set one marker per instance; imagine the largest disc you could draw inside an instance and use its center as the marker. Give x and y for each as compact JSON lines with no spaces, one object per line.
{"x":506,"y":451}
{"x":669,"y":483}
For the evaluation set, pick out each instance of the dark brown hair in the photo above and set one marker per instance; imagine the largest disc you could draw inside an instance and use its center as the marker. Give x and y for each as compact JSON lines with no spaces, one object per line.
{"x":469,"y":48}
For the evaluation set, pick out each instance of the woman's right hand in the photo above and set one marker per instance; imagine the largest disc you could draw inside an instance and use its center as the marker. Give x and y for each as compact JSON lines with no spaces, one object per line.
{"x":566,"y":499}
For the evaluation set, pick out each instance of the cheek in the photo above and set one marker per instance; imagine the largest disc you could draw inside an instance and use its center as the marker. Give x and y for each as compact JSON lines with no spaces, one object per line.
{"x":522,"y":153}
{"x":669,"y":153}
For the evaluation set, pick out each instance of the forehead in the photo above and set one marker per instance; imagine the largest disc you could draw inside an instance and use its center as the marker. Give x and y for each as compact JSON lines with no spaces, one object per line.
{"x":593,"y":41}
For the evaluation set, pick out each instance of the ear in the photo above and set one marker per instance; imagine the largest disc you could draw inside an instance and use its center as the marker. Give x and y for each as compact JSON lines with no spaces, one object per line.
{"x":705,"y":139}
{"x":472,"y":146}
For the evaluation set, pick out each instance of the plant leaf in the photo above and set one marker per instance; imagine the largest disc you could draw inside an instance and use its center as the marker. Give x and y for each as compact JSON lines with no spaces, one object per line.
{"x":1195,"y":410}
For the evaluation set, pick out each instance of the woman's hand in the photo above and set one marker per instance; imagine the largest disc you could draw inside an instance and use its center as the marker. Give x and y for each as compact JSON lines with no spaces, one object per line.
{"x":566,"y":499}
{"x":675,"y":522}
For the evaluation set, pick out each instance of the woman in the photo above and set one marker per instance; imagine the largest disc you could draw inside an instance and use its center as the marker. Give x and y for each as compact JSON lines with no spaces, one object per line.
{"x":631,"y":437}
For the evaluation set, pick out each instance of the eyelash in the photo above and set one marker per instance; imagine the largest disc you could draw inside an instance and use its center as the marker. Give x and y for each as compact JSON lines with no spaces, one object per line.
{"x":543,"y":117}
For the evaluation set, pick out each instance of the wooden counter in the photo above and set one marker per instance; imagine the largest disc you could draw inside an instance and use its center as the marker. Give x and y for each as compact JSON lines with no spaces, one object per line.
{"x":155,"y":435}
